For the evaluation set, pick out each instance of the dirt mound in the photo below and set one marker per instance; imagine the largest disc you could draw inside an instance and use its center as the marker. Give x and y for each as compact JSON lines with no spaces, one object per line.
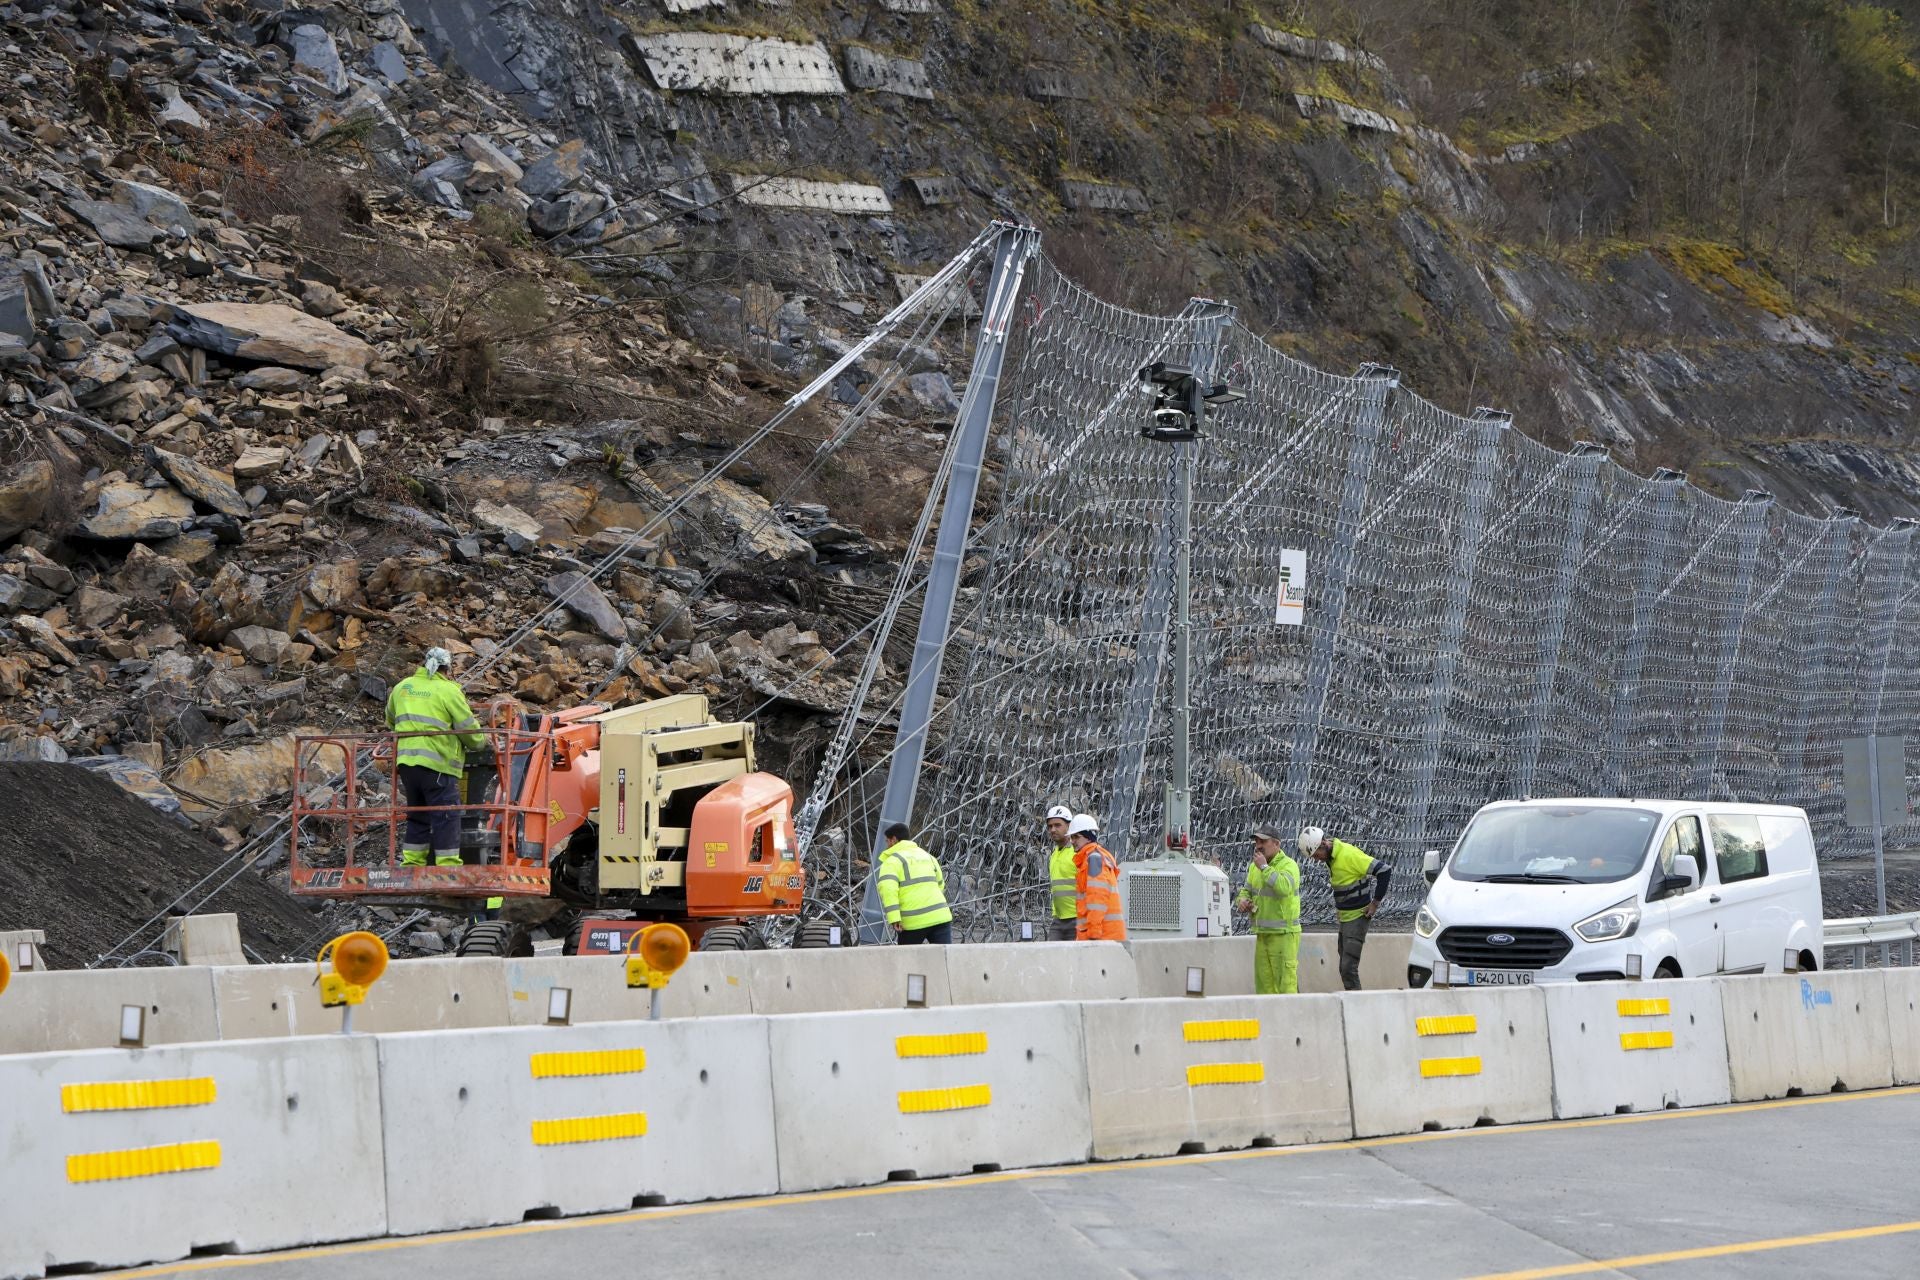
{"x":89,"y":864}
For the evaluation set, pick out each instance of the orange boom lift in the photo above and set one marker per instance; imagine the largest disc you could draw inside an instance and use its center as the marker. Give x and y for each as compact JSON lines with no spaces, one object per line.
{"x":606,"y":818}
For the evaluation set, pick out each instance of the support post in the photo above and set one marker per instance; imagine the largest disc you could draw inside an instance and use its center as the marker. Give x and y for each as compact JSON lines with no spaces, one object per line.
{"x":1379,"y":384}
{"x":1136,"y":716}
{"x":1754,"y":525}
{"x":1646,"y":596}
{"x":1492,"y":426}
{"x":1793,"y":764}
{"x":1883,"y":641}
{"x":1014,"y":249}
{"x":1586,"y":460}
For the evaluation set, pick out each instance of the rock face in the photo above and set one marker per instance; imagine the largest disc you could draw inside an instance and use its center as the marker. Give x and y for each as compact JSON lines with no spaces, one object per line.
{"x":271,"y":333}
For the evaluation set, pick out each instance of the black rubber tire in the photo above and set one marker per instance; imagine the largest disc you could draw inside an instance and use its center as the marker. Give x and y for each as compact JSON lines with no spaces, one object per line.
{"x":726,"y":937}
{"x":1665,"y":971}
{"x":495,"y":938}
{"x":815,"y":933}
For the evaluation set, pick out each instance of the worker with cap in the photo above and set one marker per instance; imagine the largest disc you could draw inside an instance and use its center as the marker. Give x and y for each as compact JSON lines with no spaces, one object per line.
{"x":913,"y":889}
{"x":1062,"y":877}
{"x":1096,"y":884}
{"x":1273,"y":896}
{"x":1359,"y":887}
{"x":434,"y":729}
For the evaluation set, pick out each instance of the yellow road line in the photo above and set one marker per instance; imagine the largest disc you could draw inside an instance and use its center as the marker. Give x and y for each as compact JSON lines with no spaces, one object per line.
{"x":1706,"y":1251}
{"x":353,"y":1248}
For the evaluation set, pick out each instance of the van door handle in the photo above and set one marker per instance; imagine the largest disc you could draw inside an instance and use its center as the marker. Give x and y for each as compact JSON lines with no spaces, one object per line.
{"x":1713,"y":897}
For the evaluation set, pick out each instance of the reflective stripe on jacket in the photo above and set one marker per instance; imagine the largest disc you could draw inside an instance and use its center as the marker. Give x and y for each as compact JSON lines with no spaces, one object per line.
{"x":912,"y":887}
{"x":432,"y":723}
{"x":1097,"y":880}
{"x":1065,"y":883}
{"x":1275,"y":891}
{"x":1351,"y":873}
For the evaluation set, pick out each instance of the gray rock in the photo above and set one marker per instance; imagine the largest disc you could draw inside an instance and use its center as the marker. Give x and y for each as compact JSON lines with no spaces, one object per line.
{"x":561,"y":169}
{"x":314,"y":449}
{"x":34,"y":750}
{"x":315,"y":53}
{"x":19,"y":595}
{"x":934,"y":392}
{"x":466,"y":551}
{"x":480,"y":149}
{"x":264,"y":645}
{"x":177,"y":113}
{"x":588,"y":603}
{"x":203,"y":484}
{"x":24,"y":496}
{"x":156,"y":204}
{"x":568,"y":211}
{"x":428,"y":941}
{"x":389,"y":62}
{"x":116,"y":224}
{"x":18,"y":316}
{"x":272,"y":378}
{"x":271,"y":333}
{"x":125,"y":512}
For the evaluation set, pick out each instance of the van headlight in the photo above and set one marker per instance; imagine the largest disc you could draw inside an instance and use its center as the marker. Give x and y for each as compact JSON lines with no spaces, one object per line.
{"x":1617,"y":921}
{"x":1425,"y":922}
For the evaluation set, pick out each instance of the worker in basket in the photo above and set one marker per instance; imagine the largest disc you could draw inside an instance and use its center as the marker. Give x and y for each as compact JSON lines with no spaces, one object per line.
{"x":434,"y":730}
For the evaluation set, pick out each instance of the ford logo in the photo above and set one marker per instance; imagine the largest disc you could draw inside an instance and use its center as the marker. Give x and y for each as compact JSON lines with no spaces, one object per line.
{"x":1499,"y":939}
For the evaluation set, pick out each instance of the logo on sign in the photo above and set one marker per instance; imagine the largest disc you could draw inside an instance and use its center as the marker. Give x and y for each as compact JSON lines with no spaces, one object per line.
{"x":325,"y":879}
{"x":1499,"y":939}
{"x":754,"y":883}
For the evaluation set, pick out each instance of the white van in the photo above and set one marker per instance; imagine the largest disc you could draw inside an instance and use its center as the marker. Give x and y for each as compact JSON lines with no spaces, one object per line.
{"x":1587,"y":890}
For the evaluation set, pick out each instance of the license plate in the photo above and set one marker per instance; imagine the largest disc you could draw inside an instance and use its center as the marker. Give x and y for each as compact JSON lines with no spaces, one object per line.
{"x":1495,"y":978}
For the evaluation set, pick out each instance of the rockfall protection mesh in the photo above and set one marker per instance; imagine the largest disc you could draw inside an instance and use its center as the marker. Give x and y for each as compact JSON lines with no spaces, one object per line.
{"x":1485,"y":617}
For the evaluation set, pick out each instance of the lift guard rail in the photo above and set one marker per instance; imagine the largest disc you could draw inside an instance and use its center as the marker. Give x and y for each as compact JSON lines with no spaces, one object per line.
{"x":1856,"y":933}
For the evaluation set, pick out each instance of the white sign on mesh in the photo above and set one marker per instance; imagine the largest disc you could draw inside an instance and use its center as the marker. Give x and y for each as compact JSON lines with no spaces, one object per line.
{"x":1291,"y":608}
{"x":801,"y":193}
{"x":709,"y":62}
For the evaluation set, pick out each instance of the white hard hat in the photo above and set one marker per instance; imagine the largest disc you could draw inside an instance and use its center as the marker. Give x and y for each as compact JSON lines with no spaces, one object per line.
{"x":1311,"y":838}
{"x":438,"y":659}
{"x":1082,"y":824}
{"x":1060,"y":811}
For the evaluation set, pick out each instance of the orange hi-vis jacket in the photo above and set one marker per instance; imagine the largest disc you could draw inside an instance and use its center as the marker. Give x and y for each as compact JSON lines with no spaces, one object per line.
{"x":1097,"y":877}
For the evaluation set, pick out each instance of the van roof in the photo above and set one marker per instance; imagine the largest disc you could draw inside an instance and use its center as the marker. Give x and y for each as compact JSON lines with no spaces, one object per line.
{"x":1663,"y":807}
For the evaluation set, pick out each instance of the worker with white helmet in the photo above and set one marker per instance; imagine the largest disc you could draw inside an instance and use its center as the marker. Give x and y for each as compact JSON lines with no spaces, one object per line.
{"x":434,"y":729}
{"x":1061,"y":877}
{"x":1097,"y":884}
{"x":1359,"y":887}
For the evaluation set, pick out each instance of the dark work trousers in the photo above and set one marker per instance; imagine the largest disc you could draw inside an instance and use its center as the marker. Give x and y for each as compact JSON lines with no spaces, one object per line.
{"x":1063,"y":930}
{"x":1353,"y":939}
{"x":932,"y":933}
{"x":439,"y":832}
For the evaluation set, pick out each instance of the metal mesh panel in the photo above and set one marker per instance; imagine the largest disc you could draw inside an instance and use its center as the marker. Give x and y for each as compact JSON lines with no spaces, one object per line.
{"x":1486,"y":617}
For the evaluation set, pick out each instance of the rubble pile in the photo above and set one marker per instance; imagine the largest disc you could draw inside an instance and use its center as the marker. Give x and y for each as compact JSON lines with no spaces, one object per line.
{"x":253,"y":462}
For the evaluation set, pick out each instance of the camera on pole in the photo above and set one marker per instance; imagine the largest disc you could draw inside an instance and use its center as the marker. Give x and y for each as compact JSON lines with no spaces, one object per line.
{"x":1178,"y":400}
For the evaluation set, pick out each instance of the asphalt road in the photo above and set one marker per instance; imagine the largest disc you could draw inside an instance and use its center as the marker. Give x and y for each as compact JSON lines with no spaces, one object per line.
{"x":1800,"y":1187}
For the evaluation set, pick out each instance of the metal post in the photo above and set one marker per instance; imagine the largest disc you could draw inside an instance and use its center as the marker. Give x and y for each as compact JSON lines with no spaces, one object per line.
{"x":1380,"y":383}
{"x":653,"y":1005}
{"x":1586,"y":459}
{"x":1014,"y":250}
{"x":346,"y":1018}
{"x":1646,"y":592}
{"x":1813,"y":676}
{"x":1136,"y":718}
{"x":1453,"y":622}
{"x":1757,"y":501}
{"x":1896,"y":585}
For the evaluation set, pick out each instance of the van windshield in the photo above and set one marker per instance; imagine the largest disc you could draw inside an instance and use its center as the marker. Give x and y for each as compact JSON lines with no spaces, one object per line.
{"x":1561,"y":844}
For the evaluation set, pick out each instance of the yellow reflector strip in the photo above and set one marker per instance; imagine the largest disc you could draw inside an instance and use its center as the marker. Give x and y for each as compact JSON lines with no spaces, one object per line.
{"x":554,"y":1133}
{"x":1643,"y":1008}
{"x":1646,"y":1040}
{"x":137,"y":1095}
{"x":1225,"y":1029}
{"x":1430,"y":1067}
{"x":960,"y":1098}
{"x":590,"y":1062}
{"x":958,"y":1044}
{"x":1458,"y":1024}
{"x":1226,"y":1073}
{"x":142,"y":1162}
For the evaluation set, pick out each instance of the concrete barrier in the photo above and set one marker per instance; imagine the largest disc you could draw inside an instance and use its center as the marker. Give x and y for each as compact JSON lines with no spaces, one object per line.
{"x":834,"y":979}
{"x":1789,"y":1034}
{"x":1179,"y":1075}
{"x":712,"y":984}
{"x":33,"y":941}
{"x":861,"y":1098}
{"x":1447,"y":1059}
{"x":266,"y":1000}
{"x":1636,"y":1046}
{"x":211,"y":939}
{"x":1005,"y":974}
{"x":54,"y":1010}
{"x":1161,"y":964}
{"x":498,"y":1125}
{"x":119,"y":1157}
{"x":1903,"y":1023}
{"x":1383,"y":962}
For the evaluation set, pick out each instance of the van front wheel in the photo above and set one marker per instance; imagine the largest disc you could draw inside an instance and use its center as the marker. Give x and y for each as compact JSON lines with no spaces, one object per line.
{"x":1667,"y":969}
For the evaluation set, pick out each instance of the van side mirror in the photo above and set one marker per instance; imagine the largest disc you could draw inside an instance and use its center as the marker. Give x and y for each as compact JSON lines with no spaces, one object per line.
{"x":1430,"y":865}
{"x":1686,"y":878}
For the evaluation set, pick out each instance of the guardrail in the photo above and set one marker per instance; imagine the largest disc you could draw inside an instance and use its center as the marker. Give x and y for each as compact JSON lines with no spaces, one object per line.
{"x":1855,"y":934}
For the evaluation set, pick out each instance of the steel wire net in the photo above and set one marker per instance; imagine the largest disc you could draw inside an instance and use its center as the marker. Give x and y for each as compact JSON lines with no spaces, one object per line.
{"x":1485,"y":617}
